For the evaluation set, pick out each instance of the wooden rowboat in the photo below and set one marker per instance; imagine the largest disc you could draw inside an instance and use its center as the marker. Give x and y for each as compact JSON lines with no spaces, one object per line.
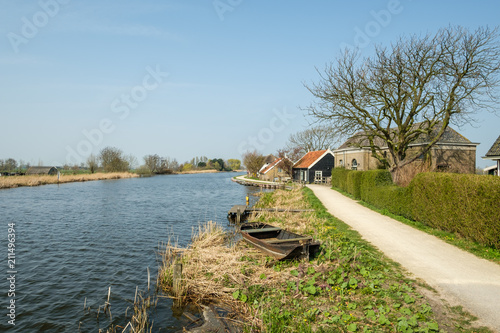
{"x":277,"y":242}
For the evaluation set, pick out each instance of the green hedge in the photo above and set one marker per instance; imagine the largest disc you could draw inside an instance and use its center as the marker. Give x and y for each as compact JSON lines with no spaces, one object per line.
{"x":378,"y":189}
{"x":464,"y":204}
{"x":339,"y":178}
{"x":354,"y":183}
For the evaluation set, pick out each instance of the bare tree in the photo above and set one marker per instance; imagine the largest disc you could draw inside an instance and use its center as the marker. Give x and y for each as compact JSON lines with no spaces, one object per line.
{"x":92,"y":163}
{"x":132,"y":161}
{"x":415,"y":88}
{"x":285,"y":163}
{"x":253,"y":162}
{"x":315,"y":138}
{"x":168,"y":165}
{"x":10,"y":164}
{"x":112,"y":160}
{"x":153,"y":163}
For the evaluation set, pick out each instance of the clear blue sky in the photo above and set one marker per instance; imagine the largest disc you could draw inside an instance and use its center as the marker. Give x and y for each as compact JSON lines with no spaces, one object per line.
{"x":188,"y":78}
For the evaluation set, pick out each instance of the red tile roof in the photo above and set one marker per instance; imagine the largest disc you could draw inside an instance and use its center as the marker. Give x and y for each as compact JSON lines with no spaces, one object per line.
{"x":309,"y":158}
{"x":270,"y":166}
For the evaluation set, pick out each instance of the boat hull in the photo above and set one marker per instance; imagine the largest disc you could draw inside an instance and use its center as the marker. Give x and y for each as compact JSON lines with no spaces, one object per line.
{"x":278,"y":243}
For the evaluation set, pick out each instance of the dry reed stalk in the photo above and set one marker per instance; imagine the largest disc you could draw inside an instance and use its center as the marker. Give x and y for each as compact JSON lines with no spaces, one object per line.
{"x":212,"y":270}
{"x":36,"y":180}
{"x":287,"y":200}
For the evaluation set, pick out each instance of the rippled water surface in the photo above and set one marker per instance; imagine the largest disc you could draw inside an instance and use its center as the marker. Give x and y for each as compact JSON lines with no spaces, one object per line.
{"x":73,"y":241}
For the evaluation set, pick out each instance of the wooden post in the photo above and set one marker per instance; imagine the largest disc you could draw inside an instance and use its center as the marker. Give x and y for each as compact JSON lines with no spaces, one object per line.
{"x":177,"y":278}
{"x":238,"y":216}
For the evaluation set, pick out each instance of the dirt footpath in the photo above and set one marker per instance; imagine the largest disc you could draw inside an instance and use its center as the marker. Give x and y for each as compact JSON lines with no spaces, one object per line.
{"x":460,"y":277}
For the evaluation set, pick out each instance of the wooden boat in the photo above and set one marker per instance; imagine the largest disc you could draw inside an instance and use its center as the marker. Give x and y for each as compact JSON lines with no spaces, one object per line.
{"x":277,"y":242}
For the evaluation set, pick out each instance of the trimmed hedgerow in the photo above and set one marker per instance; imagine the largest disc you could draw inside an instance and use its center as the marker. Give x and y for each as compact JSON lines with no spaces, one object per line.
{"x":378,"y":189}
{"x":339,"y":178}
{"x":354,"y":183}
{"x":459,"y":203}
{"x":464,"y":204}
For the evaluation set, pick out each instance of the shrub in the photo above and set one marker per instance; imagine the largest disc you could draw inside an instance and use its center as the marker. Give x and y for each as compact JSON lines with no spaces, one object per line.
{"x":339,"y":178}
{"x":378,"y":189}
{"x":354,"y":183}
{"x":459,"y":203}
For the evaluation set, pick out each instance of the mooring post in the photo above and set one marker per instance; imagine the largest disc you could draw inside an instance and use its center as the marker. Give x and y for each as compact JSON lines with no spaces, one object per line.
{"x":177,"y":278}
{"x":238,"y":215}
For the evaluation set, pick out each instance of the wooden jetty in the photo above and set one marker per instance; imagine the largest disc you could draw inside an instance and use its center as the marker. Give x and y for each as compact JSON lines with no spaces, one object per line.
{"x":239,"y":213}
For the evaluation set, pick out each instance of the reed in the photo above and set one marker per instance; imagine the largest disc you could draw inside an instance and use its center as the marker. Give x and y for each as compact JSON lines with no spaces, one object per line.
{"x":37,"y":180}
{"x":287,"y":200}
{"x":217,"y":270}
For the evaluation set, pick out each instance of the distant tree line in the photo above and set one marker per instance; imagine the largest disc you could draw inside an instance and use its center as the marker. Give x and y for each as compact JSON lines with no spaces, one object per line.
{"x":112,"y":159}
{"x":10,"y":165}
{"x":164,"y":165}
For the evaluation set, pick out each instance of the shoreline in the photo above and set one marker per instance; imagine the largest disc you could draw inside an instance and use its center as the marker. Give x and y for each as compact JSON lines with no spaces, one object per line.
{"x":192,"y":172}
{"x":196,"y":172}
{"x":349,"y":286}
{"x":7,"y":182}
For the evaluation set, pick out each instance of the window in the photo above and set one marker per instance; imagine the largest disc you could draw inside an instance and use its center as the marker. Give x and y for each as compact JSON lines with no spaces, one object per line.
{"x":341,"y":163}
{"x":354,"y":164}
{"x":318,"y":174}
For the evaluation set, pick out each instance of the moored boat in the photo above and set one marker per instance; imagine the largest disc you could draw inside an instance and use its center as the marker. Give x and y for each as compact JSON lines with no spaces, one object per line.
{"x":277,"y":242}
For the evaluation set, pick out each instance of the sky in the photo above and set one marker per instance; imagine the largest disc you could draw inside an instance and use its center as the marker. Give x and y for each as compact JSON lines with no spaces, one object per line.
{"x":190,"y":78}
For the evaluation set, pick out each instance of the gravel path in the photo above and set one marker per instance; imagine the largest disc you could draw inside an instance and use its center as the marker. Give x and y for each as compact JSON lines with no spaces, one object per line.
{"x":460,"y":277}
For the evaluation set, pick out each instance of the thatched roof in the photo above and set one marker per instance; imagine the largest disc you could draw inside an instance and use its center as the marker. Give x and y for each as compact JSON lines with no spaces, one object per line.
{"x":41,"y":170}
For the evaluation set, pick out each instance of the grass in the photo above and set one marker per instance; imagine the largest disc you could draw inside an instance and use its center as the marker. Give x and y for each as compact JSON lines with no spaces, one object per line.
{"x":475,"y":248}
{"x":349,"y":287}
{"x":37,"y":180}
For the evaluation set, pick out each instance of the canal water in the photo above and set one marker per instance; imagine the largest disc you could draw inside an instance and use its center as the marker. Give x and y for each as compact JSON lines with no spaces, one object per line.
{"x":74,"y":241}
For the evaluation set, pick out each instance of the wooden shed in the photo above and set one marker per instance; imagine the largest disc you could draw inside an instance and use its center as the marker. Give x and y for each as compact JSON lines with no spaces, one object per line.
{"x":42,"y":170}
{"x":315,"y":166}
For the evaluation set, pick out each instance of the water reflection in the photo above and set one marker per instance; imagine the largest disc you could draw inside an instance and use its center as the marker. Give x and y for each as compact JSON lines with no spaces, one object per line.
{"x":74,"y":241}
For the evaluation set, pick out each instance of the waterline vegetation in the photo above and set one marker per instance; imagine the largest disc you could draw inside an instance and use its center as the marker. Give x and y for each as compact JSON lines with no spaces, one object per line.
{"x":36,"y":180}
{"x":349,"y":287}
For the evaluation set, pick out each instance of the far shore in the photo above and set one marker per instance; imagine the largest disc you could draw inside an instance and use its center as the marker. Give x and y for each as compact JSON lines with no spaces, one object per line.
{"x":37,"y":180}
{"x":202,"y":171}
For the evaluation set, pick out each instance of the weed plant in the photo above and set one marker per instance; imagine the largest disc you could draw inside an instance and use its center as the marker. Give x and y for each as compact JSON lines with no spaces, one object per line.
{"x":349,"y":287}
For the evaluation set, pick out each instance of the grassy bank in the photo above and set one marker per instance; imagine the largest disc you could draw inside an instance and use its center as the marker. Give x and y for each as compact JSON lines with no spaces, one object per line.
{"x":36,"y":180}
{"x":349,"y":287}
